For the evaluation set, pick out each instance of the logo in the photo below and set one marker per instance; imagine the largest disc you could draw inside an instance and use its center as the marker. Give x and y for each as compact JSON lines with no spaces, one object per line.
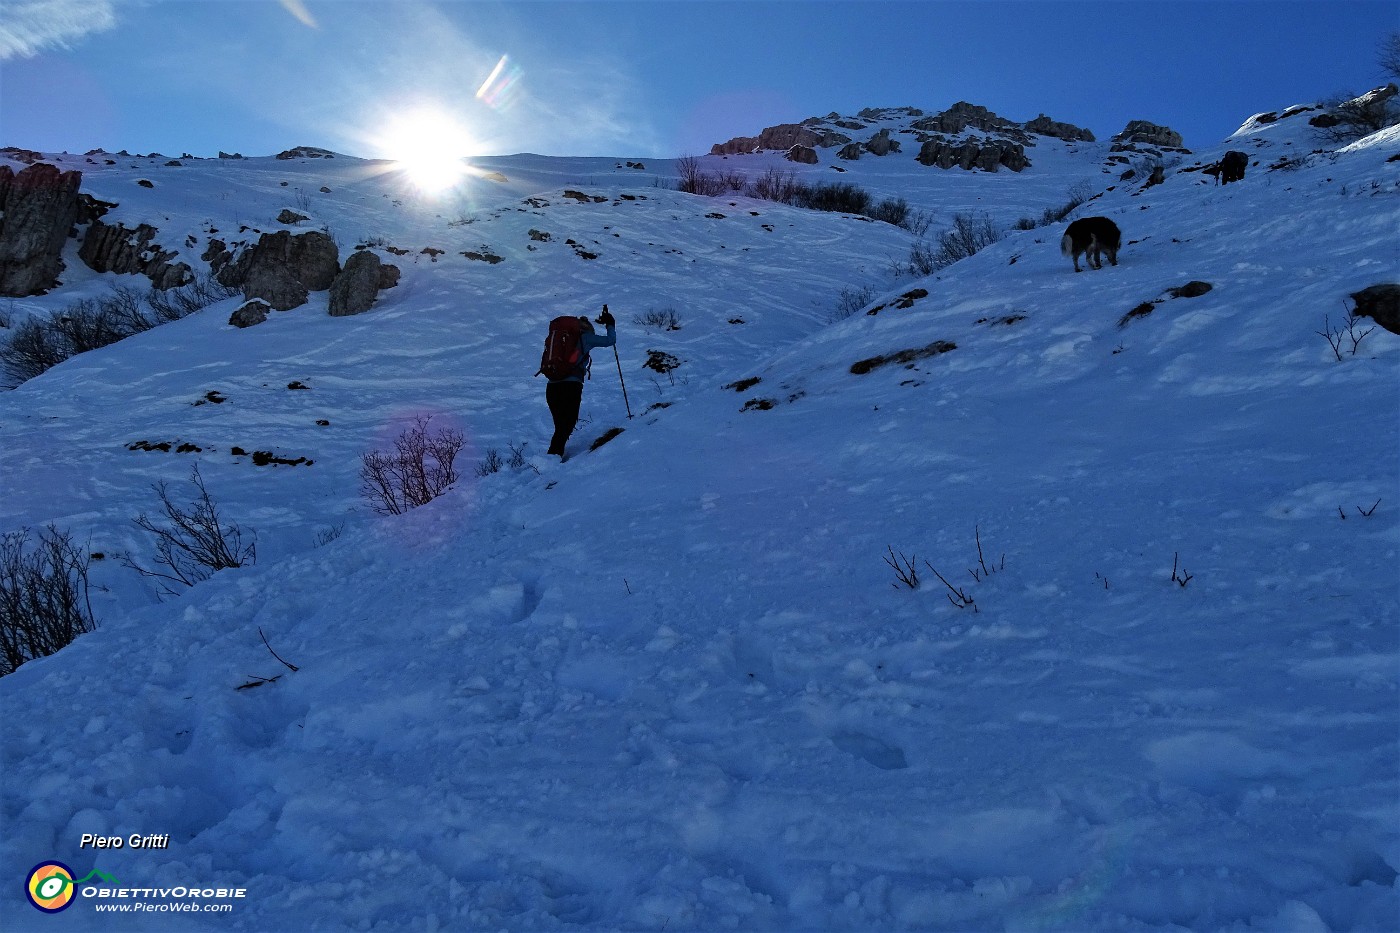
{"x":50,"y":886}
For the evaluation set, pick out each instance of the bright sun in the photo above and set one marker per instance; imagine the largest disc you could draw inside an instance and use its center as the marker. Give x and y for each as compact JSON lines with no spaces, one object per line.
{"x":429,"y":148}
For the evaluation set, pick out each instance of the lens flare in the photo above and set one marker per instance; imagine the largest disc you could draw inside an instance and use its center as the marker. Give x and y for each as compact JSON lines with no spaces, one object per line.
{"x":501,"y":86}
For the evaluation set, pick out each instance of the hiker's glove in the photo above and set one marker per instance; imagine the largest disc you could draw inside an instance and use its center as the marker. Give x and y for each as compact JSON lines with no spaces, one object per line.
{"x":606,"y":318}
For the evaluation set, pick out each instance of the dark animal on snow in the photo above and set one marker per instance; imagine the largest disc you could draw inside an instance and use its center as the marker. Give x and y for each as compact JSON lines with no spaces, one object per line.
{"x":1232,"y":167}
{"x":1091,"y":236}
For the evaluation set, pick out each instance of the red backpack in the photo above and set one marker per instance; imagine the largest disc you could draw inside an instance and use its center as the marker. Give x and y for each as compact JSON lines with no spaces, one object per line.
{"x":562,"y":350}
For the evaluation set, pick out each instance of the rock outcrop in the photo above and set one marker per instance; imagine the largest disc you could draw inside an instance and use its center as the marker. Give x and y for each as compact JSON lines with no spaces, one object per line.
{"x":38,"y":206}
{"x":1044,"y":126}
{"x":988,"y":155}
{"x":127,"y":251}
{"x":1380,"y":303}
{"x":881,"y":144}
{"x":965,"y":135}
{"x":1140,"y":134}
{"x":280,"y":268}
{"x":306,"y":152}
{"x":962,"y":116}
{"x":781,"y":137}
{"x":358,"y":285}
{"x":804,"y":154}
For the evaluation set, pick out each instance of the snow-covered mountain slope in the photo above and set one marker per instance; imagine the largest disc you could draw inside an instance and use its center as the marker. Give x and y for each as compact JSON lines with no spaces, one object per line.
{"x":673,"y":683}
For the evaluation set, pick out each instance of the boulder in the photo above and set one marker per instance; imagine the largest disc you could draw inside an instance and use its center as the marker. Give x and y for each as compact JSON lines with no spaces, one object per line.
{"x":880,"y":144}
{"x":803,"y":154}
{"x":290,"y":217}
{"x":250,"y":313}
{"x":388,"y":276}
{"x":850,"y":151}
{"x":38,"y":207}
{"x":357,"y":285}
{"x":280,"y":267}
{"x":1380,"y":303}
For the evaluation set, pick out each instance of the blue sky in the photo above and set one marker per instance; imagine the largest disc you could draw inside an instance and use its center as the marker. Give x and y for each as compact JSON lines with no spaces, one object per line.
{"x":644,"y":78}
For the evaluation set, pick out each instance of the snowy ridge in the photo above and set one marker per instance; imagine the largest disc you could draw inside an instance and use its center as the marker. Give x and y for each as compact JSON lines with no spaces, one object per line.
{"x":710,"y":704}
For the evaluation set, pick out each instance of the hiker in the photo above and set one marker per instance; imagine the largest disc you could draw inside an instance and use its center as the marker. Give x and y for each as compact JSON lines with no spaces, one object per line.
{"x":565,"y":390}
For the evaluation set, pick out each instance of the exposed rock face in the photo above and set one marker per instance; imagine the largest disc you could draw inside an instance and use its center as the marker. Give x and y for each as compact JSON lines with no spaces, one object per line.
{"x":803,"y":154}
{"x":37,"y":209}
{"x":275,"y":284}
{"x":27,"y":156}
{"x":1381,"y":303}
{"x":357,"y":286}
{"x":250,"y":313}
{"x":306,"y":152}
{"x":988,"y":155}
{"x":280,"y":268}
{"x":1141,"y":133}
{"x":1044,"y":126}
{"x":783,"y":137}
{"x":963,"y":115}
{"x":125,"y":251}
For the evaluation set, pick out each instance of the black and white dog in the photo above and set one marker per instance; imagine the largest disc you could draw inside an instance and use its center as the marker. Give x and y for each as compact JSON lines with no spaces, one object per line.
{"x":1091,"y":236}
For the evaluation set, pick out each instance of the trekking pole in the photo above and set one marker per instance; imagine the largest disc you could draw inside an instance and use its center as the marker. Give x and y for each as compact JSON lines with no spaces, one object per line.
{"x":621,"y":380}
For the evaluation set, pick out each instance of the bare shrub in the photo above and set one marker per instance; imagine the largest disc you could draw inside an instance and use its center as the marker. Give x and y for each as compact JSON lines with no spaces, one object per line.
{"x":733,"y":180}
{"x":695,"y":180}
{"x":776,"y":185}
{"x":891,"y":211}
{"x":1388,"y":54}
{"x":840,"y":196}
{"x":418,"y":469}
{"x":1353,"y":116}
{"x":43,"y":595}
{"x":852,"y":300}
{"x":41,"y":343}
{"x":663,"y":318}
{"x":970,"y":234}
{"x":172,"y":304}
{"x":195,"y":544}
{"x":491,"y":463}
{"x":30,"y":349}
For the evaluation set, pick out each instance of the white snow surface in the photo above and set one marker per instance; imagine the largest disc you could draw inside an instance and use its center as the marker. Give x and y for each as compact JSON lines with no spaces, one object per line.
{"x":671,"y":684}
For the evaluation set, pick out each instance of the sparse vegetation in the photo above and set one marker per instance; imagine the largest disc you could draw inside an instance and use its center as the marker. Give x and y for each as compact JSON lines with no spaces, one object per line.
{"x":662,"y":318}
{"x":785,"y":188}
{"x":43,"y":595}
{"x":1350,"y":116}
{"x":1343,"y":335}
{"x":195,"y":544}
{"x":418,"y":469}
{"x":40,"y":343}
{"x":852,"y":300}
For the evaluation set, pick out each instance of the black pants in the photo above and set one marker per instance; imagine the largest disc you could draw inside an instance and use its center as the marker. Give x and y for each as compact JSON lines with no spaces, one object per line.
{"x":564,"y":399}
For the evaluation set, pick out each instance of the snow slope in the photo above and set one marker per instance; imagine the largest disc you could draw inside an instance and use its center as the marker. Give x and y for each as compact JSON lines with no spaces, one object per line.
{"x":707,"y":703}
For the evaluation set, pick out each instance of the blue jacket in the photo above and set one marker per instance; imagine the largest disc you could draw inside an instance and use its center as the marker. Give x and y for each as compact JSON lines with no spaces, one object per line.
{"x":589,"y":341}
